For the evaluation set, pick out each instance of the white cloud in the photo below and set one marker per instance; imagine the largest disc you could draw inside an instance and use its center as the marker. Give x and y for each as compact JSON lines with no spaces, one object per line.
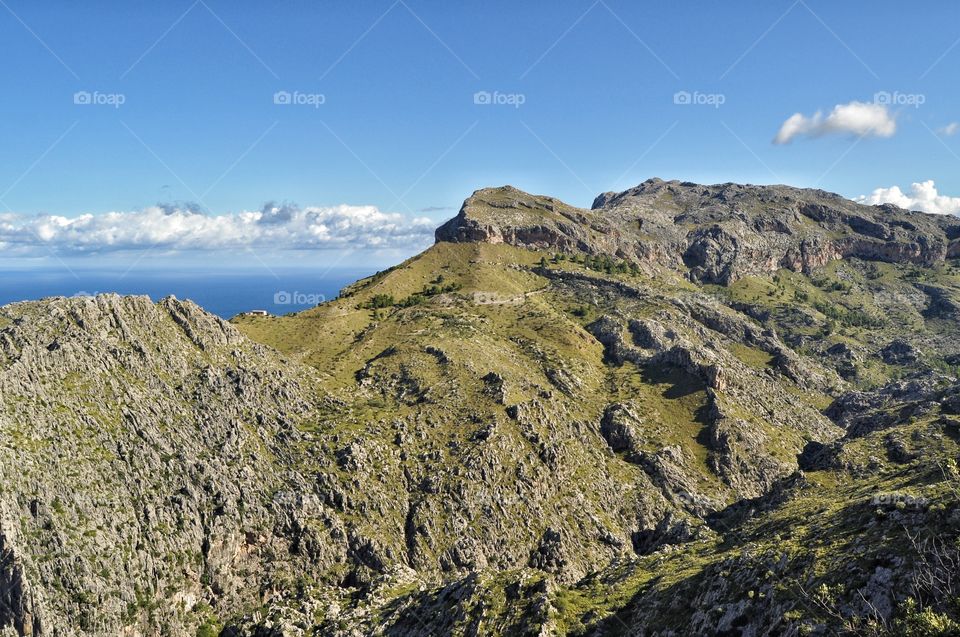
{"x":922,"y":196}
{"x":950,"y":129}
{"x":855,"y":118}
{"x":275,"y":227}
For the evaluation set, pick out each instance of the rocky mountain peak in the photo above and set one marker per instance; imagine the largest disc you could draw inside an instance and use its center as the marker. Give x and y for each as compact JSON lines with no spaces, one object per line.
{"x":710,"y":233}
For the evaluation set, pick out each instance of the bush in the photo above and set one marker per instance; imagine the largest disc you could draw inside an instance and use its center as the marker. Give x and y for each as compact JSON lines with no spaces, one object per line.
{"x":915,"y":622}
{"x":208,"y":628}
{"x":378,"y":301}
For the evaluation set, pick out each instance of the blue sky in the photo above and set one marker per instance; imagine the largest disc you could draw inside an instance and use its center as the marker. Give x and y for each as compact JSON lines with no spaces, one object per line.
{"x":388,"y":121}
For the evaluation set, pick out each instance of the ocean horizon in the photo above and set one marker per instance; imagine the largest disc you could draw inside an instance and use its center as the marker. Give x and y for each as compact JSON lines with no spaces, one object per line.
{"x":225,"y":293}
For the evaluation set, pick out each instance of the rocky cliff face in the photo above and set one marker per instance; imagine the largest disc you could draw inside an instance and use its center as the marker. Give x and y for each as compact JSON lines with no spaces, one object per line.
{"x":715,"y":234}
{"x":146,"y":460}
{"x":548,"y":423}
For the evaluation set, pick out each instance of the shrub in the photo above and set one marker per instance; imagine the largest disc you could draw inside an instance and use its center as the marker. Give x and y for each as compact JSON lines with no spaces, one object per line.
{"x":915,"y":622}
{"x":378,"y":301}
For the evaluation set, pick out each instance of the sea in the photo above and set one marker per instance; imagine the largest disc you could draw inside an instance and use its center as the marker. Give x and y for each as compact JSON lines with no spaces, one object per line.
{"x":222,"y":292}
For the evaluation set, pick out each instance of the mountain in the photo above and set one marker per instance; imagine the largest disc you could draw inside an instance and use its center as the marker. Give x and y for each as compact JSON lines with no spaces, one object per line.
{"x":717,"y":234}
{"x":688,"y":410}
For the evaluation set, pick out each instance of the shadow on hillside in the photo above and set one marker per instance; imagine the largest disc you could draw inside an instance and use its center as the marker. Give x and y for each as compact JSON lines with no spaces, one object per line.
{"x":681,"y":382}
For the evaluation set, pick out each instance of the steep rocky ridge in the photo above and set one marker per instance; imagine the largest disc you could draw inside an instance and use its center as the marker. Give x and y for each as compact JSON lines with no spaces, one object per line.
{"x":717,"y":234}
{"x":145,"y":448}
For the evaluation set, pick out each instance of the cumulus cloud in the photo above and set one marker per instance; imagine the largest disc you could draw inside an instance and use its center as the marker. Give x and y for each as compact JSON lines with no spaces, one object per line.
{"x":855,"y":118}
{"x":950,"y":129}
{"x":184,"y":227}
{"x":922,"y":196}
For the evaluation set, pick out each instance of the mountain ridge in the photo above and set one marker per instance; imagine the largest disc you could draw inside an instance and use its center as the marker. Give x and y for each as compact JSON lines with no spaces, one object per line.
{"x":720,"y":232}
{"x":536,"y":426}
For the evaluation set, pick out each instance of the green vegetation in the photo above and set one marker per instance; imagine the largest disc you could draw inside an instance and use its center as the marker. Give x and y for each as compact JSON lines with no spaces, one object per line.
{"x":436,"y":287}
{"x":752,"y":356}
{"x":847,"y":317}
{"x":599,"y":263}
{"x":378,"y":301}
{"x":209,"y":628}
{"x":923,"y":622}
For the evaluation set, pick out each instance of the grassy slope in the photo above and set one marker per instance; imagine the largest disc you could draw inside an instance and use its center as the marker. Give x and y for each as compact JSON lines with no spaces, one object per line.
{"x":504,"y":318}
